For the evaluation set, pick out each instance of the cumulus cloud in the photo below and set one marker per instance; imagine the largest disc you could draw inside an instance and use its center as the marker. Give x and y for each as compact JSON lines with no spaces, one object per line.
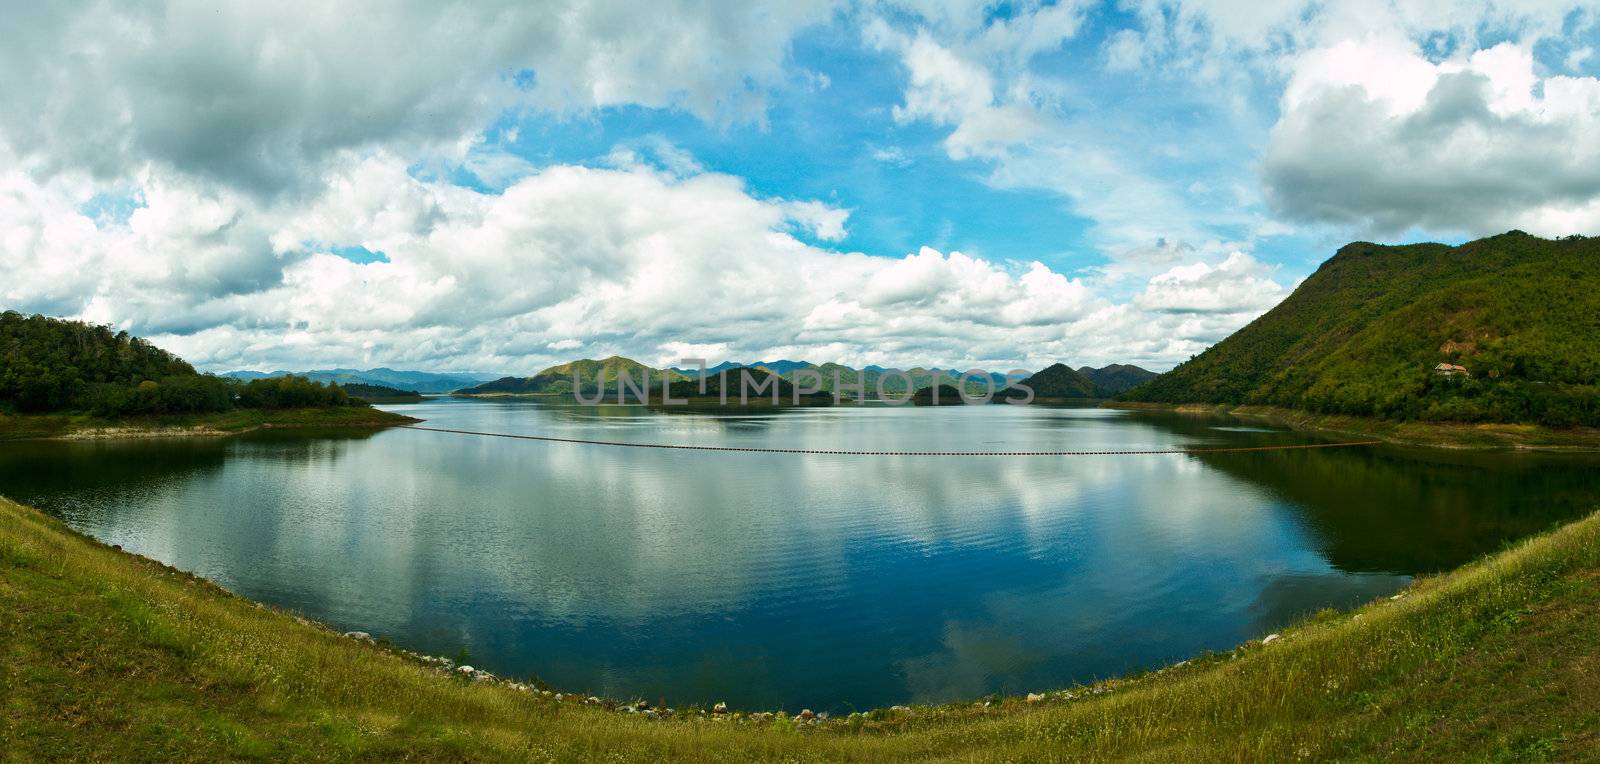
{"x":1239,"y":285}
{"x":245,"y":146}
{"x":263,"y":95}
{"x":1376,"y":135}
{"x":631,"y":259}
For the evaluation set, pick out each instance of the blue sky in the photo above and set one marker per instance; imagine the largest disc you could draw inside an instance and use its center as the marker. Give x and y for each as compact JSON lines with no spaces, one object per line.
{"x":837,"y":140}
{"x":504,"y":186}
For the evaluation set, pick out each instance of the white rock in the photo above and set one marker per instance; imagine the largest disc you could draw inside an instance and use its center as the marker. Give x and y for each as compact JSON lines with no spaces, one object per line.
{"x":361,"y":635}
{"x":1035,"y":697}
{"x":466,"y":670}
{"x":1270,"y":638}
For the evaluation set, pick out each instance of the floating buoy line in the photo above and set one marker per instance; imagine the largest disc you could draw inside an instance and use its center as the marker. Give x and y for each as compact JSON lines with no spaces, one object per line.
{"x":833,"y":452}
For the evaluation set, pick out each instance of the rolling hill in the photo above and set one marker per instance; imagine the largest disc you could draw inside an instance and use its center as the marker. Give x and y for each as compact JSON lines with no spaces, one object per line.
{"x":943,"y":395}
{"x":51,"y":364}
{"x":759,"y":390}
{"x":1118,"y":377}
{"x":848,"y":377}
{"x":1059,"y":382}
{"x":1514,"y":318}
{"x":60,"y":377}
{"x":558,"y":380}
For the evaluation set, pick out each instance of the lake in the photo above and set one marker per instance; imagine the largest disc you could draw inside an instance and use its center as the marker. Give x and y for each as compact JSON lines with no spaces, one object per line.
{"x":787,"y":581}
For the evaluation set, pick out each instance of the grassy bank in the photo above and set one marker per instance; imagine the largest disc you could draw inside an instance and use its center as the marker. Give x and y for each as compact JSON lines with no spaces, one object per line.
{"x":1433,"y":434}
{"x":27,"y":426}
{"x":107,"y":656}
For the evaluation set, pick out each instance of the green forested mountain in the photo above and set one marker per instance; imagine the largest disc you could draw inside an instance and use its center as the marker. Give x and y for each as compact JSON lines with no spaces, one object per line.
{"x":760,"y":378}
{"x":893,"y":384}
{"x":49,"y":364}
{"x":558,"y":380}
{"x":1059,"y":381}
{"x":1117,"y":377}
{"x":1365,"y":335}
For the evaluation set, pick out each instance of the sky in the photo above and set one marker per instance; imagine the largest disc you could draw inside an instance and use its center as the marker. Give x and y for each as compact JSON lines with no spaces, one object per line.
{"x":501,"y":186}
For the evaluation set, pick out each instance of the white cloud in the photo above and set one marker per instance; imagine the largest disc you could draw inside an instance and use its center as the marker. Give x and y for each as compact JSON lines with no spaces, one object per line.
{"x":891,"y":155}
{"x":1577,"y":57}
{"x":260,"y":139}
{"x":264,"y":95}
{"x":1238,"y":285}
{"x":1375,"y":135}
{"x":1037,"y":128}
{"x":1124,"y":51}
{"x":1039,"y":132}
{"x":818,"y":219}
{"x":1211,"y":35}
{"x":632,"y":260}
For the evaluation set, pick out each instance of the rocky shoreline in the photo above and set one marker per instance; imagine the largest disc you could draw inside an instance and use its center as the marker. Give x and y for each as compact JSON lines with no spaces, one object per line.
{"x":720,"y":711}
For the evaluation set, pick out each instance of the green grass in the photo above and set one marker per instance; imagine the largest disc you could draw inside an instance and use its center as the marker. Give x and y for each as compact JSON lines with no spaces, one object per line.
{"x":105,"y":656}
{"x":27,"y":426}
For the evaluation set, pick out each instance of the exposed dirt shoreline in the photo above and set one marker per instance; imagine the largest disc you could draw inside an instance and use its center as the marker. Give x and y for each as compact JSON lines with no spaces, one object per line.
{"x":1450,"y":435}
{"x":82,"y":428}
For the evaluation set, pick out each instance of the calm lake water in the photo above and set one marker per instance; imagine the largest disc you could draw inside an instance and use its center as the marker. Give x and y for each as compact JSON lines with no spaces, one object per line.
{"x":772,"y":580}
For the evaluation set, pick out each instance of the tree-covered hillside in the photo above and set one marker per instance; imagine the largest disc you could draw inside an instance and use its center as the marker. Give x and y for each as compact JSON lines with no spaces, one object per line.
{"x":1366,"y":334}
{"x":1059,"y":381}
{"x":763,"y":386}
{"x":47,"y":364}
{"x":1117,"y":377}
{"x":50,"y":365}
{"x":942,"y":395}
{"x":558,"y":380}
{"x":893,"y":384}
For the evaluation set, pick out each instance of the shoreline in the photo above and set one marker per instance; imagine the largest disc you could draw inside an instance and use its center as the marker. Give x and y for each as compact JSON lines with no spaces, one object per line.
{"x":1430,"y":625}
{"x":78,"y":427}
{"x":447,"y":668}
{"x":1459,"y":436}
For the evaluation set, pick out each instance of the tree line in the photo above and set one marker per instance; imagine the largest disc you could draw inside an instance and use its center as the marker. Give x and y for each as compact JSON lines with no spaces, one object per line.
{"x":54,"y":365}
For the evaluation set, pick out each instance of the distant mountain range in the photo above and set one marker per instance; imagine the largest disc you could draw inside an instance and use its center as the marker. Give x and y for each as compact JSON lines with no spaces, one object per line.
{"x":1064,"y":382}
{"x":407,"y":381}
{"x":558,"y":380}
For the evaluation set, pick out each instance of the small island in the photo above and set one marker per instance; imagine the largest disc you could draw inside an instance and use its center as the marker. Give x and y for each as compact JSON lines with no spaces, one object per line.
{"x":381,"y":393}
{"x":942,"y":395}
